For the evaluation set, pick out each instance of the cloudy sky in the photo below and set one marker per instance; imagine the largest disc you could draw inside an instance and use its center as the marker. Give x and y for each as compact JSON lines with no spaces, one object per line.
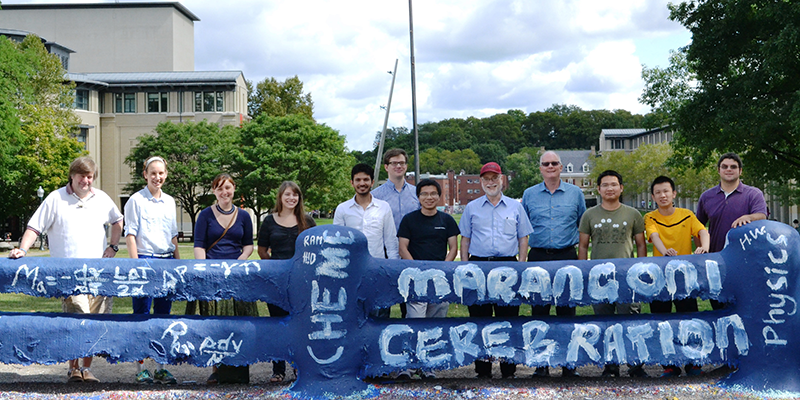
{"x":473,"y":57}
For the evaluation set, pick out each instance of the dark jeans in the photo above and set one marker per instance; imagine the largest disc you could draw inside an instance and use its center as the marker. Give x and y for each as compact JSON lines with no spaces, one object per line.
{"x":684,"y":305}
{"x":278,"y":367}
{"x":141,"y":305}
{"x":484,"y":368}
{"x":536,"y":254}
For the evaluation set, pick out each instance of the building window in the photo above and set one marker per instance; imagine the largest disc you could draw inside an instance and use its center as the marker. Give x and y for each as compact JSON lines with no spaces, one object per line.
{"x":208,"y":101}
{"x":82,"y":136}
{"x":586,"y":182}
{"x":102,"y":103}
{"x":81,"y":99}
{"x":569,"y":167}
{"x":125,"y":102}
{"x":585,"y":167}
{"x":157,"y":102}
{"x":617,"y":144}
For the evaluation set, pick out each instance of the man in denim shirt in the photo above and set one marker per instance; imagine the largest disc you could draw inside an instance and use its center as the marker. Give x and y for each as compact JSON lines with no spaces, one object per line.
{"x":400,"y":195}
{"x":555,"y":209}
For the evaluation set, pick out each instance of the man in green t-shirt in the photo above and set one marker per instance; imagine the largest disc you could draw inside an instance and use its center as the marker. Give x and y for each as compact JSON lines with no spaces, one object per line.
{"x":614,"y":230}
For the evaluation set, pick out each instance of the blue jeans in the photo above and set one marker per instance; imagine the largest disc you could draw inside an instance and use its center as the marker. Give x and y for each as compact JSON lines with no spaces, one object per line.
{"x":141,"y":305}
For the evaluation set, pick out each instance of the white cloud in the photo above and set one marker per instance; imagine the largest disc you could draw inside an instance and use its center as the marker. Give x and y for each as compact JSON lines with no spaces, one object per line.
{"x":473,"y":57}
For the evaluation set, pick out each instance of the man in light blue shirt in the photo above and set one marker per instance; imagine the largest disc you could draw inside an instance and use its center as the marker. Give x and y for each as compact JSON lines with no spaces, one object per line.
{"x":555,"y":209}
{"x":494,"y":227}
{"x":400,"y":195}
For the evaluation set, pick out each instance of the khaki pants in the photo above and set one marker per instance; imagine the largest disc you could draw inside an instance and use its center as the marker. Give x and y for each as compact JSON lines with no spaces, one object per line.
{"x":87,"y":304}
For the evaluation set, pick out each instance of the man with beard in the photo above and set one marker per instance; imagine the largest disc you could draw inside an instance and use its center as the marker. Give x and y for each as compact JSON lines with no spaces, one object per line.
{"x":371,"y":216}
{"x":494,"y":227}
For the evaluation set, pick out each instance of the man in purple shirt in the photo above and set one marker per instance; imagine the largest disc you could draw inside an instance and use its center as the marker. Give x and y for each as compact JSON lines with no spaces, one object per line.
{"x":729,"y":205}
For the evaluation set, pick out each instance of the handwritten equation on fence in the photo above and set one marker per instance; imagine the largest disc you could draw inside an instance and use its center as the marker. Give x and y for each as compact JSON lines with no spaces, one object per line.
{"x":332,"y":284}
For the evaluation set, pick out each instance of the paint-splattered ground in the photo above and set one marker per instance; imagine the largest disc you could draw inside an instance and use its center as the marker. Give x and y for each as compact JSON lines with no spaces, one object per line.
{"x":47,"y":382}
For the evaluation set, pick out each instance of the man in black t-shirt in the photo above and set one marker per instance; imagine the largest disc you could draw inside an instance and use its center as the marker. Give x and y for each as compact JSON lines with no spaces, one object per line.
{"x":427,"y":234}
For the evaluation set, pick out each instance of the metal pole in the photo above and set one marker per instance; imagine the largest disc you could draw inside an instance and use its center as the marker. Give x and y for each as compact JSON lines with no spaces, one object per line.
{"x":379,"y":155}
{"x":413,"y":94}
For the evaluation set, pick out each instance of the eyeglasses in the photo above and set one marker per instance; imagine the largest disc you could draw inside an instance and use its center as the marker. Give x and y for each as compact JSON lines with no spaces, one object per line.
{"x":549,"y":163}
{"x":734,"y":166}
{"x":426,"y":194}
{"x":398,"y":163}
{"x":609,"y":185}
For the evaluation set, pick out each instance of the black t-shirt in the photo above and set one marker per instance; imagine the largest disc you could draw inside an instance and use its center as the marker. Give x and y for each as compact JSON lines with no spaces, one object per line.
{"x":279,"y":238}
{"x":428,"y":236}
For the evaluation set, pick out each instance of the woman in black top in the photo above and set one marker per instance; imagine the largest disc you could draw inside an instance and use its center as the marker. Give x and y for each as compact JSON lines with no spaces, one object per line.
{"x":276,"y":240}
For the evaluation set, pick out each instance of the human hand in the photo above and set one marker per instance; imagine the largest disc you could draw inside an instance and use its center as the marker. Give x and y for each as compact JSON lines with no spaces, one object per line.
{"x":671,"y":252}
{"x":700,"y":250}
{"x":743,"y":220}
{"x":17,"y":253}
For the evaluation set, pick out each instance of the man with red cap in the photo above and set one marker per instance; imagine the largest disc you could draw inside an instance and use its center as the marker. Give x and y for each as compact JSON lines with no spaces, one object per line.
{"x":494,"y":227}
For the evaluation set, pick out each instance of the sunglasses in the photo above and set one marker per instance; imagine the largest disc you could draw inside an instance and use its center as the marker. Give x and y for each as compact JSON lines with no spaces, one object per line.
{"x":549,"y":163}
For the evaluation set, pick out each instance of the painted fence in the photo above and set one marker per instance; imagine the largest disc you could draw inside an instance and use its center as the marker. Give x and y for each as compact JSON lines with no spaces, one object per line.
{"x":332,"y":283}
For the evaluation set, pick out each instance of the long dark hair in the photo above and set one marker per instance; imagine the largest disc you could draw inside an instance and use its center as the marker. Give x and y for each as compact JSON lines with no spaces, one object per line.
{"x":299,"y":211}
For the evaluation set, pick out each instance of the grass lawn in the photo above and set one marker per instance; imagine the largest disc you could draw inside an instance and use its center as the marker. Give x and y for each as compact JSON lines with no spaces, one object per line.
{"x":10,"y":302}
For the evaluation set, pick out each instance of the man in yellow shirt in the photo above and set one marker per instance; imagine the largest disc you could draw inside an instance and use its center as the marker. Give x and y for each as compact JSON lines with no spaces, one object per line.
{"x":672,"y":231}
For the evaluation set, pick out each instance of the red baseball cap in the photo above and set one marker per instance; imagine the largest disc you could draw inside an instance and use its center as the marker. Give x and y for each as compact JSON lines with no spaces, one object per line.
{"x":491,"y":167}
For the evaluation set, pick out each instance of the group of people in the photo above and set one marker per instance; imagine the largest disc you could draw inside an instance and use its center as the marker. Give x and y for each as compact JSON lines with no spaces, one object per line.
{"x":399,"y":220}
{"x":75,"y":217}
{"x":550,"y":223}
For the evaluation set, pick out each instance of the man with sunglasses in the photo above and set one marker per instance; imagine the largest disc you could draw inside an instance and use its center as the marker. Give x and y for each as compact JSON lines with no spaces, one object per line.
{"x":555,"y":209}
{"x":728,"y":205}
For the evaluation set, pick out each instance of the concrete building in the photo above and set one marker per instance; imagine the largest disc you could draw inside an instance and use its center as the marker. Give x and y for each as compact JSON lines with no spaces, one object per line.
{"x":133,"y":67}
{"x":629,"y":140}
{"x":112,"y":37}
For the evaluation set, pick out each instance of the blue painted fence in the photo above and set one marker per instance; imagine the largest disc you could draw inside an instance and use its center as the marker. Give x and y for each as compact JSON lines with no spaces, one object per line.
{"x":332,"y":283}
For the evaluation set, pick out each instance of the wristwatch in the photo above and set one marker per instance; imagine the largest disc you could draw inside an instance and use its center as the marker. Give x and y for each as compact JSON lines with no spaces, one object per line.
{"x":114,"y":247}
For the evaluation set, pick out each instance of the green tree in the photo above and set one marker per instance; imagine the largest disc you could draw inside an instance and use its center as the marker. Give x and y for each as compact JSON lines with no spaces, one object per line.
{"x":278,"y":99}
{"x":195,"y":153}
{"x":37,"y":122}
{"x":667,"y":89}
{"x":525,"y":166}
{"x":747,"y":99}
{"x":292,"y":147}
{"x":640,"y":167}
{"x":437,"y":161}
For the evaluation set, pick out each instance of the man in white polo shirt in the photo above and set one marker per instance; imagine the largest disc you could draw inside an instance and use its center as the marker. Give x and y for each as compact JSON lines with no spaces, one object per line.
{"x":74,"y":218}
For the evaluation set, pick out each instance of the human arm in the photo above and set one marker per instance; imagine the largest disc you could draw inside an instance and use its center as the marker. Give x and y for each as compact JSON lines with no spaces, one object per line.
{"x":116,"y":232}
{"x":641,"y":245}
{"x":705,"y":242}
{"x":403,"y":248}
{"x":523,"y":249}
{"x":659,"y":245}
{"x":246,"y":252}
{"x":390,"y":236}
{"x":199,"y":253}
{"x":130,"y":241}
{"x":583,"y":246}
{"x":175,"y":254}
{"x":452,"y":246}
{"x":24,"y":244}
{"x":464,"y":248}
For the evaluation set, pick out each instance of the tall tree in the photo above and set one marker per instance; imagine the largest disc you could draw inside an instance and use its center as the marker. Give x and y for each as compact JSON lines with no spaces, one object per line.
{"x":38,"y":125}
{"x":279,"y":99}
{"x":195,"y":153}
{"x":747,"y":98}
{"x":293,"y":147}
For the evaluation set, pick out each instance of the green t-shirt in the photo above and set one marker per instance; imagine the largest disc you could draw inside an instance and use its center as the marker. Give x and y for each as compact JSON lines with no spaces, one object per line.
{"x":612,"y":232}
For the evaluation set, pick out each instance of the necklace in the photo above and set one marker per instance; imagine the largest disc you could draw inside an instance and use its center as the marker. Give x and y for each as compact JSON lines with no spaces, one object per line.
{"x":221,"y":211}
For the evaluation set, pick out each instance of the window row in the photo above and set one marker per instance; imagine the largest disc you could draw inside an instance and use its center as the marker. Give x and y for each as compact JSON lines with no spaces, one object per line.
{"x":157,"y":102}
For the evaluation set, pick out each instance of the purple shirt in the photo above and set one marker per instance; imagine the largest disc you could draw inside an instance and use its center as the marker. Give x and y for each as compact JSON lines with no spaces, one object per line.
{"x":720,"y":212}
